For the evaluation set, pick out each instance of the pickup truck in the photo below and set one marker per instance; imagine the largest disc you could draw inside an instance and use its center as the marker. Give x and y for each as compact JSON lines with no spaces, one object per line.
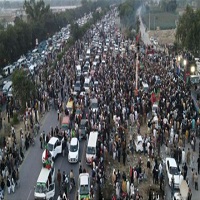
{"x":54,"y":147}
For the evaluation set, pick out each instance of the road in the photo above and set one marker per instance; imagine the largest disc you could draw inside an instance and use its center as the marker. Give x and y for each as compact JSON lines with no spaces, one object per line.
{"x":30,"y":168}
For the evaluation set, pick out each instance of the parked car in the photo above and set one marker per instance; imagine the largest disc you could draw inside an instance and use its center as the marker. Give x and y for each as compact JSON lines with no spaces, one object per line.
{"x":172,"y":170}
{"x":73,"y":154}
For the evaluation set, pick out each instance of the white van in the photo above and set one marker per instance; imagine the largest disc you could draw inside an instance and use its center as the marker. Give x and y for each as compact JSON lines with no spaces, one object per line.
{"x":45,"y":186}
{"x":91,"y":147}
{"x":78,"y":70}
{"x":7,"y":87}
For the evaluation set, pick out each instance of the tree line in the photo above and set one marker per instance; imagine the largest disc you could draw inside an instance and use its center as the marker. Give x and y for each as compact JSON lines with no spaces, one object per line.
{"x":187,"y":33}
{"x":41,"y":24}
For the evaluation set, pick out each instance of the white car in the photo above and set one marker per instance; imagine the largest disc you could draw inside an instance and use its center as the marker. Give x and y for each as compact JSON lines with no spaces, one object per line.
{"x":54,"y":147}
{"x":84,"y":186}
{"x":138,"y":143}
{"x":172,"y":170}
{"x":73,"y":154}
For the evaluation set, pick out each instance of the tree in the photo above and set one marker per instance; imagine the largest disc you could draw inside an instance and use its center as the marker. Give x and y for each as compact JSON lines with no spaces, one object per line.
{"x":36,"y":10}
{"x":187,"y":34}
{"x":23,"y":87}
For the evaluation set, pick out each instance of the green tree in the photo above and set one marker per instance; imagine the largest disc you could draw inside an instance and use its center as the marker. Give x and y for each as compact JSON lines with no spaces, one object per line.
{"x":36,"y":10}
{"x":23,"y":87}
{"x":187,"y":34}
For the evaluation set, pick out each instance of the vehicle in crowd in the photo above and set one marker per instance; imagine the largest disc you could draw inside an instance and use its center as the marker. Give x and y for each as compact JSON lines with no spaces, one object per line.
{"x":183,"y":191}
{"x":73,"y":154}
{"x":45,"y":185}
{"x":145,"y":87}
{"x":65,"y":125}
{"x":7,"y":87}
{"x":87,"y":85}
{"x":84,"y":186}
{"x":91,"y":147}
{"x":54,"y":147}
{"x":70,"y":107}
{"x":94,"y":105}
{"x":78,"y":70}
{"x":8,"y":70}
{"x":172,"y":171}
{"x":77,"y":86}
{"x":138,"y":143}
{"x":87,"y":54}
{"x":83,"y":128}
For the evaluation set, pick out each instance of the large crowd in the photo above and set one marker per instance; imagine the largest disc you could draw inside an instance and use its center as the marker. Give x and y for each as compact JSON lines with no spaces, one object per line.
{"x":174,"y":124}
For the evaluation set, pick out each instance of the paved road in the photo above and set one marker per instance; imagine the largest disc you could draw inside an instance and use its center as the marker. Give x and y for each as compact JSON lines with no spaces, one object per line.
{"x":30,"y":168}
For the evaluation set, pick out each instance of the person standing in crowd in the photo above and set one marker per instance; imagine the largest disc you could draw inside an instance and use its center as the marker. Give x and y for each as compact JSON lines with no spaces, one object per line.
{"x":198,"y":164}
{"x":8,"y":185}
{"x":190,"y":194}
{"x":188,"y":157}
{"x":41,"y":141}
{"x":196,"y":181}
{"x":172,"y":186}
{"x":148,"y":166}
{"x":183,"y":156}
{"x":185,"y":169}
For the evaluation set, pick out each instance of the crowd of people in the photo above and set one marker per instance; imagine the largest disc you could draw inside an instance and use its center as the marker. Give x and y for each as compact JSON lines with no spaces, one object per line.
{"x":174,"y":124}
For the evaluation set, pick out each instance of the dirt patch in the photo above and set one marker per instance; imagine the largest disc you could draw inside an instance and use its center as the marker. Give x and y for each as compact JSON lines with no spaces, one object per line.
{"x":164,"y":36}
{"x":132,"y":160}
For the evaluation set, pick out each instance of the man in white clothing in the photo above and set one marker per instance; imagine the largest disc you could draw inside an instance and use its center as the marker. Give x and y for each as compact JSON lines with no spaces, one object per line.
{"x":183,"y":156}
